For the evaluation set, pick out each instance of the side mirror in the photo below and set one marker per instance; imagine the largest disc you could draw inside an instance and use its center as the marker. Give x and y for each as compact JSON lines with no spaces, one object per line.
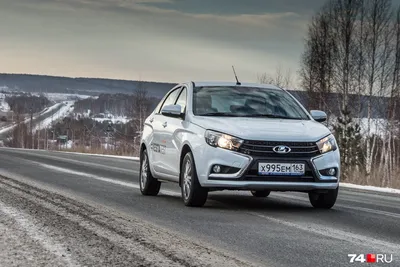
{"x":172,"y":111}
{"x":318,"y":115}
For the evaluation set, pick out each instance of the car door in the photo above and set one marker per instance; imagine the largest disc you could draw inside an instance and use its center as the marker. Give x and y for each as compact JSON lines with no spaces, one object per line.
{"x":153,"y":124}
{"x":174,"y":128}
{"x":158,"y":144}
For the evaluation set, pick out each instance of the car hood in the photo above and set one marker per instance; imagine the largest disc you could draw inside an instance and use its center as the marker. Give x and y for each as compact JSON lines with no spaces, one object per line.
{"x":267,"y":129}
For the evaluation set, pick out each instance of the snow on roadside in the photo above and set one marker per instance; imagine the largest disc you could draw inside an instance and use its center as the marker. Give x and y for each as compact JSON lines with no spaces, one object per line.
{"x":101,"y":155}
{"x":371,"y":188}
{"x":10,"y":127}
{"x":49,"y":109}
{"x":78,"y":153}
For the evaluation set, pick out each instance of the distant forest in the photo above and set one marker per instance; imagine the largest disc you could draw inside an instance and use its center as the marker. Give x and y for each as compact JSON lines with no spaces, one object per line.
{"x":83,"y":86}
{"x":156,"y":90}
{"x":27,"y":103}
{"x":116,"y":104}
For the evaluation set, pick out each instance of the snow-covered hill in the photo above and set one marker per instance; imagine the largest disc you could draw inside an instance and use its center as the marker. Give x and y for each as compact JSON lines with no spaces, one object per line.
{"x":46,"y":116}
{"x":65,"y":109}
{"x":58,"y":97}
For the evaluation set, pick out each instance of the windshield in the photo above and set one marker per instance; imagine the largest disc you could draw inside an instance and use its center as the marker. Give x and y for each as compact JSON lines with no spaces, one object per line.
{"x":238,"y":101}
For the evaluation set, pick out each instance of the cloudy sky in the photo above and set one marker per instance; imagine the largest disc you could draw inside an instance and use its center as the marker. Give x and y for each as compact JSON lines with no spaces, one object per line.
{"x":159,"y":40}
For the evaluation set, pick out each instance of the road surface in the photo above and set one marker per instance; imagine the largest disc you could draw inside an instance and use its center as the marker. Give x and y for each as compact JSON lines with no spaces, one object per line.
{"x":95,"y":205}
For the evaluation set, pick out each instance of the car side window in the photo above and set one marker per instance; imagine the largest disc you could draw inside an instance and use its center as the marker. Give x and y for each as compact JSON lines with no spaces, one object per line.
{"x":170,"y":100}
{"x":182,"y":100}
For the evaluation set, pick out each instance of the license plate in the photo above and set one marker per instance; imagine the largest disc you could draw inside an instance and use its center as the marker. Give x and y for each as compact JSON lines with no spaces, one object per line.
{"x":289,"y":169}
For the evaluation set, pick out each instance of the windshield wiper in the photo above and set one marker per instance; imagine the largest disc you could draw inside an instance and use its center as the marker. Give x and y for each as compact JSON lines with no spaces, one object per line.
{"x":271,"y":116}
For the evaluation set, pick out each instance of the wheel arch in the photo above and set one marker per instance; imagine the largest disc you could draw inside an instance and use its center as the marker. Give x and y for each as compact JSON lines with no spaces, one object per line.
{"x":185,"y":149}
{"x":142,"y":148}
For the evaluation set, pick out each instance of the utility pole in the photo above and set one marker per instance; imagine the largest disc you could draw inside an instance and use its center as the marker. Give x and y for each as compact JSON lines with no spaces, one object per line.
{"x":38,"y":137}
{"x":46,"y":139}
{"x":109,"y":129}
{"x":53,"y":131}
{"x":33,"y":139}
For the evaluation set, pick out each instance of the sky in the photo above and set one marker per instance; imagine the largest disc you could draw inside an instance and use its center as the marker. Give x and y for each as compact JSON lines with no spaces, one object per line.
{"x":153,"y":40}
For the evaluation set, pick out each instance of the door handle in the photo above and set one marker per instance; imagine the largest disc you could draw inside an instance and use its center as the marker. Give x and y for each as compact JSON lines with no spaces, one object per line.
{"x":151,"y":120}
{"x":164,"y":124}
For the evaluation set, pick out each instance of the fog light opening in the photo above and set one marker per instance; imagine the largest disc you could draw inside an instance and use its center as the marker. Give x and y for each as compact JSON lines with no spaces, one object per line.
{"x":332,"y":172}
{"x":329,"y":172}
{"x":217,"y":169}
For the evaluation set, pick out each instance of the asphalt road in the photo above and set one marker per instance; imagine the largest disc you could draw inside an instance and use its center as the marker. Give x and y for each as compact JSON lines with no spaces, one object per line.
{"x":281,"y":230}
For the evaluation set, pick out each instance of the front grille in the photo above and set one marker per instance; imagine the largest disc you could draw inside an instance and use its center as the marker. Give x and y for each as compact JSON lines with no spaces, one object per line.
{"x":265,"y":149}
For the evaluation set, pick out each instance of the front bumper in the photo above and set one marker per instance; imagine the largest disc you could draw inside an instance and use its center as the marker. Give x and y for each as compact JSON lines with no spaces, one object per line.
{"x":247,"y":178}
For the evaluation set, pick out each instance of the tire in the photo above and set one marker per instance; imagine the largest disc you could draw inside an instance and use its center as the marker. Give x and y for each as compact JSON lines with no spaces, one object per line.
{"x":193,"y":194}
{"x":149,"y":186}
{"x":262,"y":193}
{"x":323,"y":200}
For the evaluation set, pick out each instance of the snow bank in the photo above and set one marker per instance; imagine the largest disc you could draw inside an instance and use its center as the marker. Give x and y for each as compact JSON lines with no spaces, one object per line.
{"x":100,"y":155}
{"x":371,"y":188}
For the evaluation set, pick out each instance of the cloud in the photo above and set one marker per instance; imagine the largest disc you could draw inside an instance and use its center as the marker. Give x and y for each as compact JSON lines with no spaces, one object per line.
{"x":115,"y":38}
{"x":264,"y":20}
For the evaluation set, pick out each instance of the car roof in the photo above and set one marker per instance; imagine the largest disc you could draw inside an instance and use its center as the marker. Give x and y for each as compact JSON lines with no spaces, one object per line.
{"x":221,"y":83}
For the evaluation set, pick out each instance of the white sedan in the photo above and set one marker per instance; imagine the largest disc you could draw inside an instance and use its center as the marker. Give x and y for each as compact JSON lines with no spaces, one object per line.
{"x":232,"y":136}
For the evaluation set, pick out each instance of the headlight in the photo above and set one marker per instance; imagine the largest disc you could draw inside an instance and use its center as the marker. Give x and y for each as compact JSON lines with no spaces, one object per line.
{"x":327,"y":144}
{"x":222,"y":140}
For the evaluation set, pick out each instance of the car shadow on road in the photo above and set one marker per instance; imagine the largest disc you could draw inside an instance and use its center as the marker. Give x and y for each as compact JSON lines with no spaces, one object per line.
{"x":255,"y":204}
{"x":234,"y":201}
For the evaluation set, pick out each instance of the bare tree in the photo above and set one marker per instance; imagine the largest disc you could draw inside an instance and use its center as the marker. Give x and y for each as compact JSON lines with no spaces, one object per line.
{"x":352,"y":47}
{"x":378,"y":16}
{"x":139,"y":110}
{"x":280,"y":78}
{"x":317,"y":70}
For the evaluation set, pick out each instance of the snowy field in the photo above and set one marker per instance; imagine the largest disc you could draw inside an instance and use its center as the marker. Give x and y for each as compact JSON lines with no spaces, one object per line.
{"x":113,"y":119}
{"x":4,"y":107}
{"x":102,"y":117}
{"x":378,"y":126}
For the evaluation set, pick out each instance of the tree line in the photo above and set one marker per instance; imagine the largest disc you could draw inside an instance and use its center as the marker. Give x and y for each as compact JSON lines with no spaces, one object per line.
{"x":352,"y":48}
{"x":24,"y":103}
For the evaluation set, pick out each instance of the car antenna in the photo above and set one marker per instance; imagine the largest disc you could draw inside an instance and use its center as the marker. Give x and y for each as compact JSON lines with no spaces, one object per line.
{"x":237,"y":80}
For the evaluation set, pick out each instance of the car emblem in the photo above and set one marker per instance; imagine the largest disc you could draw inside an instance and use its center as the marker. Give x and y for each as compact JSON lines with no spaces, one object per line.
{"x":281,"y":149}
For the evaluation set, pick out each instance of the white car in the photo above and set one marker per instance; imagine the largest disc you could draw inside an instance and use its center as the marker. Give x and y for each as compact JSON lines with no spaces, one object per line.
{"x":232,"y":136}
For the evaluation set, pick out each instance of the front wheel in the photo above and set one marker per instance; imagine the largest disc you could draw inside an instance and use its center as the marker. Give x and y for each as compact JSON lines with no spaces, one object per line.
{"x":323,"y":200}
{"x":193,"y":194}
{"x":148,"y":185}
{"x":263,"y":193}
